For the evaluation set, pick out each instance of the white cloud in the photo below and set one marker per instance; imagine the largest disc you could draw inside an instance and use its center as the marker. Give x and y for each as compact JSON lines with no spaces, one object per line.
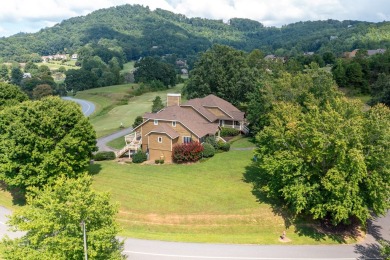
{"x":28,"y":15}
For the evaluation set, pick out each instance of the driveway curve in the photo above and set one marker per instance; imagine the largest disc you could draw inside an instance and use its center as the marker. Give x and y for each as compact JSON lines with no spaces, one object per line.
{"x":86,"y":106}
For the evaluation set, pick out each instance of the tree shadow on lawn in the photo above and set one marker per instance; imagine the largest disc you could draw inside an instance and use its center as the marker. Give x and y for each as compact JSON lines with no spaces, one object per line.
{"x":18,"y":197}
{"x":304,"y":225}
{"x":94,"y":168}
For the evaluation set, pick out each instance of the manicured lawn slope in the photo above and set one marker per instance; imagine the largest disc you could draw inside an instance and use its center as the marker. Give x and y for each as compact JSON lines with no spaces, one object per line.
{"x":110,"y":113}
{"x":202,"y":202}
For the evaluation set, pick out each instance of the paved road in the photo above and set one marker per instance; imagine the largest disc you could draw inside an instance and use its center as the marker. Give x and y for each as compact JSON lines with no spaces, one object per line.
{"x":4,"y":212}
{"x":87,"y":107}
{"x":379,"y":228}
{"x":102,"y":142}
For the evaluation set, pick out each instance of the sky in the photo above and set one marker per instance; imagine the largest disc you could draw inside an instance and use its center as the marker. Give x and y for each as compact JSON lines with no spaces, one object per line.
{"x":32,"y":15}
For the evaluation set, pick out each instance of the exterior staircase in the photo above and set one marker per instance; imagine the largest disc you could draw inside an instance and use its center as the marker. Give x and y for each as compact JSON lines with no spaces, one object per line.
{"x":132,"y":144}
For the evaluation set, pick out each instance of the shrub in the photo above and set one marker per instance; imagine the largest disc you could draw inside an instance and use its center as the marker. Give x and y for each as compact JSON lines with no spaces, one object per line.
{"x":227,"y":131}
{"x":208,"y":150}
{"x":190,"y":152}
{"x":139,"y":157}
{"x":211,"y":140}
{"x":223,"y":146}
{"x":104,"y":155}
{"x":159,"y":161}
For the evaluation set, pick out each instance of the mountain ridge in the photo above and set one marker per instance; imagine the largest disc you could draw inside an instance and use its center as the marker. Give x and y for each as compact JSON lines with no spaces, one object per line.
{"x":137,"y":31}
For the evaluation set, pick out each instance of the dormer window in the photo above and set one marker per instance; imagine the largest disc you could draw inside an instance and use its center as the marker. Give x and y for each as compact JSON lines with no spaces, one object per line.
{"x":174,"y":123}
{"x":155,"y":122}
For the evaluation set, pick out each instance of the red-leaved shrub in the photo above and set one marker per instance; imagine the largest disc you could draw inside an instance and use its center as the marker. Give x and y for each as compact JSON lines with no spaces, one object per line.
{"x":189,"y":152}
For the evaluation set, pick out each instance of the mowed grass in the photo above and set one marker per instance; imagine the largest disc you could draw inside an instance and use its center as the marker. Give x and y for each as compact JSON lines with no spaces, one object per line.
{"x":110,"y":114}
{"x":128,"y":67}
{"x":201,"y":202}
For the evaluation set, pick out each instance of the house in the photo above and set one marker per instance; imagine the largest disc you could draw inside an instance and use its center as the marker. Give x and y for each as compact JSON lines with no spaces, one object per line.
{"x":377,"y":51}
{"x":350,"y":55}
{"x":74,"y":56}
{"x":182,"y":123}
{"x":27,"y":75}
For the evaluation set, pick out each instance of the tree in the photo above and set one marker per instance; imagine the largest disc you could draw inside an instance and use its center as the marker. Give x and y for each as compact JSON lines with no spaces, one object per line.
{"x":41,"y":91}
{"x":331,"y":163}
{"x":31,"y":67}
{"x":138,"y":120}
{"x":157,"y":104}
{"x":80,"y":79}
{"x":4,"y":73}
{"x":381,"y":90}
{"x":10,"y":95}
{"x":52,"y":219}
{"x":385,"y":250}
{"x":224,"y":72}
{"x":152,"y":69}
{"x":338,"y":71}
{"x":40,"y":140}
{"x":16,"y":76}
{"x":315,"y":86}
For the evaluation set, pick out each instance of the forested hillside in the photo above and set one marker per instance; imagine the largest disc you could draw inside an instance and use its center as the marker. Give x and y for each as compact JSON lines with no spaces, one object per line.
{"x":137,"y":31}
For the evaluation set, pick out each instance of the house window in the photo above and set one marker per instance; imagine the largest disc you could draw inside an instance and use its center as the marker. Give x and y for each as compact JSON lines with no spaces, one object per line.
{"x":187,"y":139}
{"x":221,"y":122}
{"x":159,"y":139}
{"x":155,"y":122}
{"x":174,"y":123}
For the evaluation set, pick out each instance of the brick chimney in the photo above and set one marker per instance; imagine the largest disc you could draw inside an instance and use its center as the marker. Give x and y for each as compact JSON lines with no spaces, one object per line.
{"x":173,"y":99}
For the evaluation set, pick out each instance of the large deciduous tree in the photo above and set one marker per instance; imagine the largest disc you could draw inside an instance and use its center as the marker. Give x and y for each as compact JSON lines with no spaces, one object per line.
{"x":330,"y":162}
{"x":224,"y":72}
{"x":151,"y":69}
{"x":10,"y":95}
{"x":40,"y":140}
{"x":52,"y":219}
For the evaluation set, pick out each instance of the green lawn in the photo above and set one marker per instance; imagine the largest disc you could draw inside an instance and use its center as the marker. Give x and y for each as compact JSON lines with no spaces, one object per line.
{"x":54,"y":65}
{"x":202,"y":202}
{"x":128,"y":67}
{"x":110,"y":114}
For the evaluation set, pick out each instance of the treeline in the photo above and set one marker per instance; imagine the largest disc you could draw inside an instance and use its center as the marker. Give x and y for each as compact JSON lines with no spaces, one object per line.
{"x":135,"y":31}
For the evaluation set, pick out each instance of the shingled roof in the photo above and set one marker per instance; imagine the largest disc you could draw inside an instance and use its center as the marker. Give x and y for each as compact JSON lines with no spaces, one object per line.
{"x":193,"y":121}
{"x":212,"y":101}
{"x":166,"y":130}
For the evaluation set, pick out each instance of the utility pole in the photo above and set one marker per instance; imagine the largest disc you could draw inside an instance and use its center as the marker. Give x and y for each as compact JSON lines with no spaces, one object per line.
{"x":85,"y":239}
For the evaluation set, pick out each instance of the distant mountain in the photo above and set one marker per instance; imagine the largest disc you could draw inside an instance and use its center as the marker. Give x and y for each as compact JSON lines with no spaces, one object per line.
{"x":137,"y":31}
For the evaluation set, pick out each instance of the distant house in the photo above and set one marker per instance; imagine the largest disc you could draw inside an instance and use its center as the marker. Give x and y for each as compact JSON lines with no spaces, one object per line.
{"x":182,"y":123}
{"x":270,"y":57}
{"x":308,"y":53}
{"x":74,"y":56}
{"x":27,"y":75}
{"x":350,"y":55}
{"x":47,"y":58}
{"x":377,"y":51}
{"x":54,"y":57}
{"x":60,"y":57}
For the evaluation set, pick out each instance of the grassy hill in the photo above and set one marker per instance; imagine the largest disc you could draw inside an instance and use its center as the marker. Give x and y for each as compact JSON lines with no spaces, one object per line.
{"x":119,"y":104}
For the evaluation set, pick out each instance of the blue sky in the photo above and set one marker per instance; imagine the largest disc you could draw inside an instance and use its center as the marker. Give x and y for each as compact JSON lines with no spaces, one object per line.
{"x":33,"y":15}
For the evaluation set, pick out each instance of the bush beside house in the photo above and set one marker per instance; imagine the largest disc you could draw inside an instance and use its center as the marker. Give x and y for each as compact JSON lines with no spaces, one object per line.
{"x":226,"y":131}
{"x":208,"y":150}
{"x":188,"y":152}
{"x":139,"y":157}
